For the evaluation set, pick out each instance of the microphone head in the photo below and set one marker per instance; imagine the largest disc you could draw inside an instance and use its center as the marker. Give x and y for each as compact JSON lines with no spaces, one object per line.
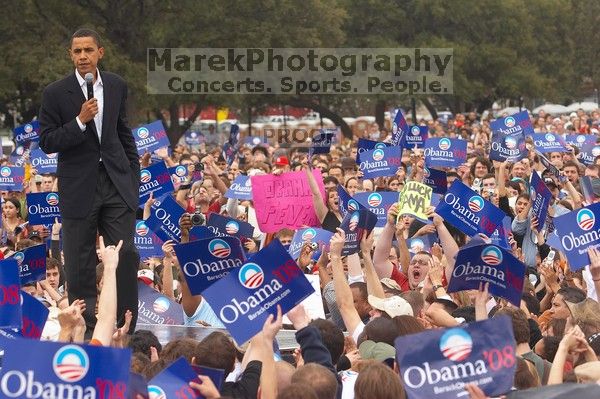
{"x":89,"y":78}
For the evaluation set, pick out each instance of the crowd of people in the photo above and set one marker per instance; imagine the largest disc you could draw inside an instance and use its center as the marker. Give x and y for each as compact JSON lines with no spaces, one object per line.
{"x":370,"y":298}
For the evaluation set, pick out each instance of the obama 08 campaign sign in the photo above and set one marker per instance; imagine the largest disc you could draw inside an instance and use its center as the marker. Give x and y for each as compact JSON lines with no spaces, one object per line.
{"x":438,"y":363}
{"x":269,"y":278}
{"x":62,"y":371}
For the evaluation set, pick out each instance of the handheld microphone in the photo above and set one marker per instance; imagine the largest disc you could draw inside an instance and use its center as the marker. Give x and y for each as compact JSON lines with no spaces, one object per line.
{"x":89,"y":80}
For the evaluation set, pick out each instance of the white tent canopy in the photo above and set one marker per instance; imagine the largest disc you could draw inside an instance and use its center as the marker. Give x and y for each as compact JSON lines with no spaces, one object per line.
{"x":587,"y":106}
{"x":554,"y":109}
{"x":508,"y":111}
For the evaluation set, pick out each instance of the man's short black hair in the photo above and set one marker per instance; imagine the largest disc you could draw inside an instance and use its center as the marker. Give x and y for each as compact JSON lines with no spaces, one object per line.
{"x":142,"y":340}
{"x":84,"y":32}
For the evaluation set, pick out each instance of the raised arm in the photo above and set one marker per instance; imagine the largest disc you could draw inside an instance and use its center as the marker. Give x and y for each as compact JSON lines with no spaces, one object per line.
{"x":404,"y":259}
{"x":168,"y":261}
{"x":189,"y":302}
{"x":374,"y":286}
{"x":317,"y":198}
{"x":448,"y":244}
{"x":500,"y":171}
{"x":343,"y":293}
{"x":381,"y":255}
{"x":107,"y":303}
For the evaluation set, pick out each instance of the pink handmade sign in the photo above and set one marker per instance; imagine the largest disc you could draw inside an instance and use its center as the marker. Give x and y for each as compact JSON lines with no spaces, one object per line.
{"x":285,"y":201}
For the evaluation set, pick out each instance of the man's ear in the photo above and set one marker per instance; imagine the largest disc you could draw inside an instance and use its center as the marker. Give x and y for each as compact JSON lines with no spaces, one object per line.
{"x":193,"y":360}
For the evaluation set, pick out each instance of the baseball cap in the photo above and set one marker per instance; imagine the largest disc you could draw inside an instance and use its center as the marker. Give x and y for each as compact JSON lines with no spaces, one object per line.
{"x":379,"y":351}
{"x":282,"y":161}
{"x":588,"y":372}
{"x":146,"y":276}
{"x":393,"y":306}
{"x":391,"y":284}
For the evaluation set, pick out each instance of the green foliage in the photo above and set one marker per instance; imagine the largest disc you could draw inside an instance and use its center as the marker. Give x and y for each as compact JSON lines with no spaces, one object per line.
{"x":503,"y":49}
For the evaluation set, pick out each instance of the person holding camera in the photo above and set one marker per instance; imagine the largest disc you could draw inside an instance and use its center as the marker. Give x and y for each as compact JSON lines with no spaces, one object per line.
{"x":194,"y":196}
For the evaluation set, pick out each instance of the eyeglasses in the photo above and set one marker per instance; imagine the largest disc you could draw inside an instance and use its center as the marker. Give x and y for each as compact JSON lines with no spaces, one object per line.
{"x":419,"y":262}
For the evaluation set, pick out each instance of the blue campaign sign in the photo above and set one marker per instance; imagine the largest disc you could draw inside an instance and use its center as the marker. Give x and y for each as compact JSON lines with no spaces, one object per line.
{"x":579,"y":140}
{"x":492,"y":264}
{"x":173,"y":382}
{"x":42,"y":162}
{"x":10,"y":300}
{"x":32,"y":263}
{"x":436,"y":179}
{"x":253,"y":141}
{"x":19,"y":156}
{"x":164,"y":219}
{"x":217,"y":376}
{"x":346,"y":202}
{"x":310,"y":234}
{"x":179,"y":174}
{"x":416,"y":136}
{"x":224,"y":225}
{"x":500,"y":235}
{"x":199,"y":232}
{"x":438,"y":363}
{"x":508,"y":137}
{"x":150,"y":137}
{"x":137,"y":386}
{"x":540,"y":199}
{"x":378,"y":202}
{"x":468,"y":211}
{"x":380,"y":162}
{"x":55,"y":370}
{"x":269,"y":279}
{"x":549,"y":166}
{"x":549,"y":142}
{"x":11,"y":178}
{"x":192,"y":137}
{"x":42,"y":208}
{"x":355,"y":225}
{"x":579,"y":230}
{"x":207,"y":260}
{"x":321,"y":142}
{"x":399,"y":128}
{"x":369,"y":145}
{"x":155,"y":180}
{"x":234,"y":134}
{"x":241,"y":188}
{"x":421,"y":243}
{"x":146,"y":242}
{"x":156,"y":308}
{"x":589,"y":151}
{"x":229,"y":152}
{"x":445,"y":152}
{"x":27,"y":132}
{"x":35,"y":315}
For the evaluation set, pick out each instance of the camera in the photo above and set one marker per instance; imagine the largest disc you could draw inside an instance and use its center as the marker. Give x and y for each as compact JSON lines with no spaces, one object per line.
{"x":314,"y":246}
{"x":198,"y":167}
{"x":197,"y":218}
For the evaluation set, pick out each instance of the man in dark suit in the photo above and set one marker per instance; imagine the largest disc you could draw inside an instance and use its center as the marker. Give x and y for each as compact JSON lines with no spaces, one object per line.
{"x":98,"y":173}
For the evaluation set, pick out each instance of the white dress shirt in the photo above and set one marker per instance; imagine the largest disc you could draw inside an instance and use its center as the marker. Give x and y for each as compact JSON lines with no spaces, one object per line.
{"x":99,"y":95}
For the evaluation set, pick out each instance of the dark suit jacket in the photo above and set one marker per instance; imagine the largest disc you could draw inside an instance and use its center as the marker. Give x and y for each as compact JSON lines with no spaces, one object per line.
{"x":79,"y":152}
